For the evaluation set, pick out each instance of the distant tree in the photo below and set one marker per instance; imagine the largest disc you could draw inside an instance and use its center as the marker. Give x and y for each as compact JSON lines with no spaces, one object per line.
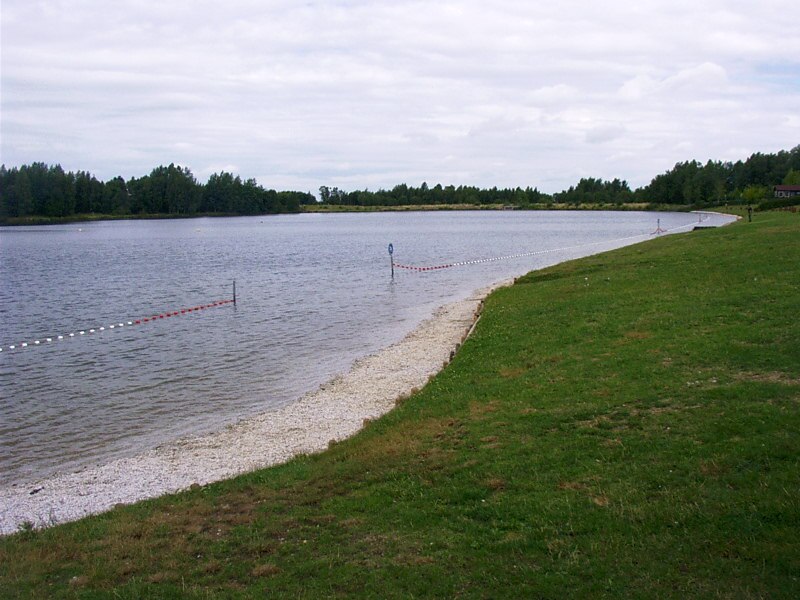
{"x":792,"y":177}
{"x":182,"y":191}
{"x":89,"y":194}
{"x":16,"y":193}
{"x":292,"y":201}
{"x":116,"y":198}
{"x":166,"y":190}
{"x":753,"y":194}
{"x":596,"y":191}
{"x":221,"y":193}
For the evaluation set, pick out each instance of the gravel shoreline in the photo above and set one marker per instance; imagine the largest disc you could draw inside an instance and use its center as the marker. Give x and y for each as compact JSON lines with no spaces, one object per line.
{"x":335,"y":411}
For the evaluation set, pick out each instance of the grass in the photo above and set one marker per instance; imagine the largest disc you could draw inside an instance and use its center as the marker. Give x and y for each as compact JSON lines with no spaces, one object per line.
{"x":624,"y":425}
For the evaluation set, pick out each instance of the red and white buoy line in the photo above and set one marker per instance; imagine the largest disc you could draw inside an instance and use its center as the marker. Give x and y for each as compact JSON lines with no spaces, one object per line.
{"x":121,"y":324}
{"x":538,"y":252}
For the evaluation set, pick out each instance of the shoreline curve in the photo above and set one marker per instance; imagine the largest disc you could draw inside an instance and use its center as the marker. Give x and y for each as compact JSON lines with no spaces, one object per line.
{"x":336,"y":410}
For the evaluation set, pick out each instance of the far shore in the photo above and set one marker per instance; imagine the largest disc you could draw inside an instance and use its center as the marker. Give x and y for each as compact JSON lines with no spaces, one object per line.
{"x":34,"y":220}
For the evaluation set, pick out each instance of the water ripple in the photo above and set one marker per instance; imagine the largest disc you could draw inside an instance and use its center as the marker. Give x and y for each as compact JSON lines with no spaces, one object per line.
{"x":314,"y":295}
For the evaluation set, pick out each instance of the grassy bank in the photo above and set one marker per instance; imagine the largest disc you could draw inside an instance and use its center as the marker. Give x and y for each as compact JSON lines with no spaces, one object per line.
{"x":625,"y":425}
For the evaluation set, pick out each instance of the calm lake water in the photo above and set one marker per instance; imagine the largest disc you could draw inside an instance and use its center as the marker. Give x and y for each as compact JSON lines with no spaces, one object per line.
{"x":314,"y":293}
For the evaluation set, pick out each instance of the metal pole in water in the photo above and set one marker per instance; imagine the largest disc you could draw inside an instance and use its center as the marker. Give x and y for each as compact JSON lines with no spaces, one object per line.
{"x":234,"y":292}
{"x":391,"y":258}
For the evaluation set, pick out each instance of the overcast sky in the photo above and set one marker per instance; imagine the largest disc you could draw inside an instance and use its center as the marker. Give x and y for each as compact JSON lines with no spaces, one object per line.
{"x":369,"y":94}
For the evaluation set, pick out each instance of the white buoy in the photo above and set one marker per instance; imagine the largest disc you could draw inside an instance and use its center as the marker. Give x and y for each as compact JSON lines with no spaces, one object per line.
{"x":24,"y":344}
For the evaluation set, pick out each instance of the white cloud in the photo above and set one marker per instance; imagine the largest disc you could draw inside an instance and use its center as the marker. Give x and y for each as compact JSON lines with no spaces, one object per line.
{"x":373,"y":93}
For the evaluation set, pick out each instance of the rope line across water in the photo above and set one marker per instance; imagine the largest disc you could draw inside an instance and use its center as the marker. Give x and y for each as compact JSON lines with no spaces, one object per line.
{"x":537,"y":252}
{"x":89,"y":331}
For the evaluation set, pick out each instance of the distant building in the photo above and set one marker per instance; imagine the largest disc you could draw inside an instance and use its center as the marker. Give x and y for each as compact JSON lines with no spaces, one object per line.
{"x":786,"y":191}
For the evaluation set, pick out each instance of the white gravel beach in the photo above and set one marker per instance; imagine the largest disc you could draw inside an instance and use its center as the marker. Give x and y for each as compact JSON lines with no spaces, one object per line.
{"x":335,"y":411}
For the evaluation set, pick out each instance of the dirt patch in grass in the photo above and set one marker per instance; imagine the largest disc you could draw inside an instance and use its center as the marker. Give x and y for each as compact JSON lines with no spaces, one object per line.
{"x":633,"y":335}
{"x":416,"y":561}
{"x":575,"y":486}
{"x":79,"y":581}
{"x":621,"y":419}
{"x":495,"y":484}
{"x":162,"y":577}
{"x":769,"y":377}
{"x":711,"y":468}
{"x":478,"y":410}
{"x":512,"y":373}
{"x":593,"y":423}
{"x":265,"y":570}
{"x":352,"y":523}
{"x":490,"y":442}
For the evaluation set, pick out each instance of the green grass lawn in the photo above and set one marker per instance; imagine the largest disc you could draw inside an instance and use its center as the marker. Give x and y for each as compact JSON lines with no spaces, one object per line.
{"x":625,"y":425}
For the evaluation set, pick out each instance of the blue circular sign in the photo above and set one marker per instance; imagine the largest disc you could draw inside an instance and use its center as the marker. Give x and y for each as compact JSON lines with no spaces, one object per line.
{"x":391,"y":249}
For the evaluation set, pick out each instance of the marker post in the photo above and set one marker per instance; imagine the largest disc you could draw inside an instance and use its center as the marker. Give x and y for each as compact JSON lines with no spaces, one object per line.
{"x":391,"y":258}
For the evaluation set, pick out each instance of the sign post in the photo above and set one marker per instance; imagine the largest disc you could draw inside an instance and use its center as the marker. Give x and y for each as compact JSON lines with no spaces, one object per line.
{"x":391,"y":258}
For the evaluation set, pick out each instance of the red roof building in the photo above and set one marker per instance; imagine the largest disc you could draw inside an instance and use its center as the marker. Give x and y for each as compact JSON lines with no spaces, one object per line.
{"x":786,"y":191}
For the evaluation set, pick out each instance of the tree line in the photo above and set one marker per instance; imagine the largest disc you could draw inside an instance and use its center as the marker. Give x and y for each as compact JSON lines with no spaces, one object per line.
{"x":688,"y":183}
{"x":749,"y":181}
{"x":41,"y":190}
{"x":404,"y":195}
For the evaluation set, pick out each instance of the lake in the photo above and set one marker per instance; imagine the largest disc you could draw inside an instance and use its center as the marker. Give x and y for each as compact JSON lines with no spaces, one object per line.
{"x":314,"y":293}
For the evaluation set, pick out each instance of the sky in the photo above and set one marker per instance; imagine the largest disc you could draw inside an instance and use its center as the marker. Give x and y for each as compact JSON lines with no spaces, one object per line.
{"x":370,"y":94}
